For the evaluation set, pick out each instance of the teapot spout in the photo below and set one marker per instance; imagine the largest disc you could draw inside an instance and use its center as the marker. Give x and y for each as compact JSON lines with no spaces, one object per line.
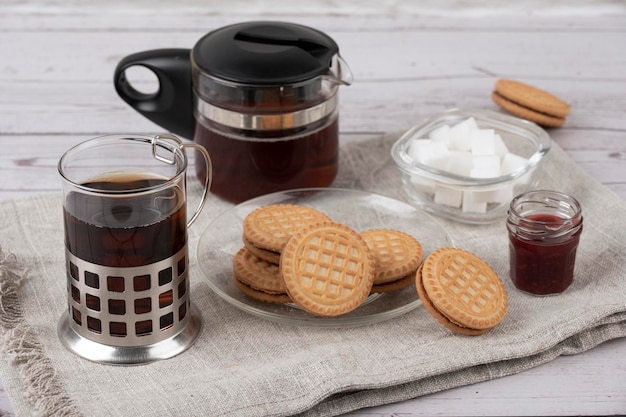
{"x":339,"y":72}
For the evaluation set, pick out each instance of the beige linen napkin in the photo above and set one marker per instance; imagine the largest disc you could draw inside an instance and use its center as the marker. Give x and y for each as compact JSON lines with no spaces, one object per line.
{"x":245,"y":366}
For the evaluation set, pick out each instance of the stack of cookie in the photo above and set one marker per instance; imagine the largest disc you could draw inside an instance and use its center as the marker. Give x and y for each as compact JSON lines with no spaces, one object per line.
{"x":298,"y":254}
{"x":266,"y":232}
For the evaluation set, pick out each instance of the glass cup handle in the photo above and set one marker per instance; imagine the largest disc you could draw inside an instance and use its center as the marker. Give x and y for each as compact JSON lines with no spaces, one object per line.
{"x":183,"y":146}
{"x":208,"y":178}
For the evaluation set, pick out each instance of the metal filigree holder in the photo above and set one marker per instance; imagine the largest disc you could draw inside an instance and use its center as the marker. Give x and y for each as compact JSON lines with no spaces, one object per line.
{"x":128,"y":316}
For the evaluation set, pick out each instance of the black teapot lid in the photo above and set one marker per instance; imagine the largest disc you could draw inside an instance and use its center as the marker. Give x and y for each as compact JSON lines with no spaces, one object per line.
{"x":265,"y":53}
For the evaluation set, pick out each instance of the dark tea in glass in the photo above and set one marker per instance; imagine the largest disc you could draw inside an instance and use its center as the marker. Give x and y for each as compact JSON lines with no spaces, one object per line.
{"x":120,"y":231}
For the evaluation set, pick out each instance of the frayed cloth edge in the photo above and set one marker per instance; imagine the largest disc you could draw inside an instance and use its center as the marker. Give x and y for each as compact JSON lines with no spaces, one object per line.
{"x":21,"y":346}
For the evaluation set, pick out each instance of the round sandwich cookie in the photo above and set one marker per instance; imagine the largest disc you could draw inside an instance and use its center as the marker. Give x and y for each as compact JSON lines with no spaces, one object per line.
{"x":392,"y":286}
{"x":270,"y":227}
{"x":258,"y":278}
{"x":266,"y":255}
{"x":262,"y":295}
{"x":461,"y":291}
{"x":396,"y":257}
{"x":530,"y":103}
{"x":328,"y":269}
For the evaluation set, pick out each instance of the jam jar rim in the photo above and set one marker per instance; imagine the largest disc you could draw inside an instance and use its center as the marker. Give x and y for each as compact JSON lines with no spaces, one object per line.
{"x":538,"y":230}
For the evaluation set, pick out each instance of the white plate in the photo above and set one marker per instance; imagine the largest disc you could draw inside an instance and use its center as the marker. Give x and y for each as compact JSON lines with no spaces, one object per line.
{"x":359,"y":210}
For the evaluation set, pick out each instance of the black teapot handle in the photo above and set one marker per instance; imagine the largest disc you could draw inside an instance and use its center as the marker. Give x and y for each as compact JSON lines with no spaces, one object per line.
{"x":172,"y":105}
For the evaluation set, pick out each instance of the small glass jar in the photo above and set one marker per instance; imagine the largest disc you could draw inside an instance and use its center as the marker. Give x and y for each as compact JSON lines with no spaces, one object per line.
{"x":544,"y":229}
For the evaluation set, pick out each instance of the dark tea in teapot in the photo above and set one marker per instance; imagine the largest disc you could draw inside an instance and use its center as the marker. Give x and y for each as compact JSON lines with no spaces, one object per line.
{"x":249,"y":168}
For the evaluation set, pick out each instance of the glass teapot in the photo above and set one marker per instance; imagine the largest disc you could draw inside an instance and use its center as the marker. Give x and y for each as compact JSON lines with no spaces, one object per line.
{"x":261,"y":97}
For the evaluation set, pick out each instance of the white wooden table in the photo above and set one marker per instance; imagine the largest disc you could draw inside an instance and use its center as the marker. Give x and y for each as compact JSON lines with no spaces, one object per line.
{"x":410,"y":60}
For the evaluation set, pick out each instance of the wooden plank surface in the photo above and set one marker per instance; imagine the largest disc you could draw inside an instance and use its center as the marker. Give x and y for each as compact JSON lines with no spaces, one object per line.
{"x":410,"y":60}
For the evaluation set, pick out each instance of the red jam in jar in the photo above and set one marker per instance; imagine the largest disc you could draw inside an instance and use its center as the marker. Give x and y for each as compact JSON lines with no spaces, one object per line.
{"x":544,"y":229}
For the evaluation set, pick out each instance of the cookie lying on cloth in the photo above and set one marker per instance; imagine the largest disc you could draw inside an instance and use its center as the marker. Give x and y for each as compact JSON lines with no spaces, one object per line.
{"x":530,"y":103}
{"x":461,"y":291}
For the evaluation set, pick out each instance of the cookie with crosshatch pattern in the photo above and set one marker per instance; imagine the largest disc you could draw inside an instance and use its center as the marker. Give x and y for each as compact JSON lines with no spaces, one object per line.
{"x":328,"y":269}
{"x":396,"y":256}
{"x":266,"y":255}
{"x":270,"y":227}
{"x":257,"y":274}
{"x":461,"y":291}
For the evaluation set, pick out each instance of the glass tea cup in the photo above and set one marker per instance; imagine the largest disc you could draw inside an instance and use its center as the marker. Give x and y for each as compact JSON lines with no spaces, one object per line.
{"x":125,"y":225}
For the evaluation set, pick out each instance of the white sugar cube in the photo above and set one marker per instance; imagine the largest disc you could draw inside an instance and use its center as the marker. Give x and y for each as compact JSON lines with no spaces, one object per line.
{"x":460,"y":163}
{"x":482,"y":142}
{"x":448,"y":196}
{"x":502,"y":194}
{"x":427,"y":152}
{"x":422,"y":184}
{"x":438,"y":155}
{"x":416,"y":148}
{"x":499,"y":146}
{"x":472,"y":206}
{"x":441,"y":135}
{"x":460,"y":134}
{"x":485,"y":166}
{"x":512,"y":162}
{"x":490,"y":163}
{"x":469,"y":124}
